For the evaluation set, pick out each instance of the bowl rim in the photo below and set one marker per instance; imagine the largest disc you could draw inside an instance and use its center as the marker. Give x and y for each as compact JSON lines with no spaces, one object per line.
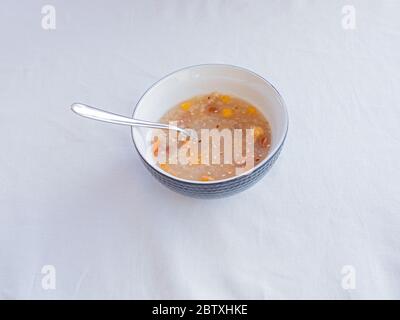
{"x":195,"y":182}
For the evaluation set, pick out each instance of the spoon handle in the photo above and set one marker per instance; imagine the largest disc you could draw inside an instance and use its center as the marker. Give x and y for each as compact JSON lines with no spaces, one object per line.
{"x":101,"y":115}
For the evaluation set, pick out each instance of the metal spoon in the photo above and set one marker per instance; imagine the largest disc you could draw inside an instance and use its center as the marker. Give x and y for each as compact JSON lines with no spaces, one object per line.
{"x":101,"y":115}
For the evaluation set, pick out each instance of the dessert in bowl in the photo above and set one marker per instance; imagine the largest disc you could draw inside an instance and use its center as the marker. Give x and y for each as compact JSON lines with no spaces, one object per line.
{"x":214,"y":97}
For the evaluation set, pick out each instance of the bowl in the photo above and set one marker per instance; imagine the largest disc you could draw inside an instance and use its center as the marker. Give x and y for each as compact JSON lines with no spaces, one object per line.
{"x":202,"y":79}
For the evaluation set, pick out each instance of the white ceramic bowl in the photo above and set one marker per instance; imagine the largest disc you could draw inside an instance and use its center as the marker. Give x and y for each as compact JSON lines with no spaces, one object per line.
{"x":202,"y":79}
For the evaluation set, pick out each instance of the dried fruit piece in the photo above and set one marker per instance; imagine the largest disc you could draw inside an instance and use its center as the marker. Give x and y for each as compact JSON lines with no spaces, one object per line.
{"x":264,"y":142}
{"x":156,"y":145}
{"x":212,"y":109}
{"x":227,"y":112}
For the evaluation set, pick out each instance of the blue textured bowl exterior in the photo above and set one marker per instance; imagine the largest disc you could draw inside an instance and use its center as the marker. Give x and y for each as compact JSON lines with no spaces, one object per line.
{"x":218,"y":189}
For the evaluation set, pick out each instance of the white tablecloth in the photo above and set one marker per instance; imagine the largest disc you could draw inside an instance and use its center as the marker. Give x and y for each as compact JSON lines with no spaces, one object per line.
{"x":324,"y":222}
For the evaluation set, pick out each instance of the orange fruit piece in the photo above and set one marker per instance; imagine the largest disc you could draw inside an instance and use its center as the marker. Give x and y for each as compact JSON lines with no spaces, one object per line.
{"x":227,"y":112}
{"x":251,"y":110}
{"x":186,"y":105}
{"x":206,"y":178}
{"x":258,"y":132}
{"x":225,"y":98}
{"x":164,"y":166}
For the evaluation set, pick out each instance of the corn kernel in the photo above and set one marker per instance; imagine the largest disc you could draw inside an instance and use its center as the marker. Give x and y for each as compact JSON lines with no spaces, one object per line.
{"x":225,"y":99}
{"x":251,"y":110}
{"x":185,"y":105}
{"x":227,"y":112}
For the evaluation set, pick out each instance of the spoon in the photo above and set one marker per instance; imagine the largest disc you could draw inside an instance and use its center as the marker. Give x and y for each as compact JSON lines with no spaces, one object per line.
{"x":101,"y":115}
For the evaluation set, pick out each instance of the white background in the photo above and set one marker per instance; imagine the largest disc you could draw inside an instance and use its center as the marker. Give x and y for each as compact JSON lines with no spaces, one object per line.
{"x":74,"y":194}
